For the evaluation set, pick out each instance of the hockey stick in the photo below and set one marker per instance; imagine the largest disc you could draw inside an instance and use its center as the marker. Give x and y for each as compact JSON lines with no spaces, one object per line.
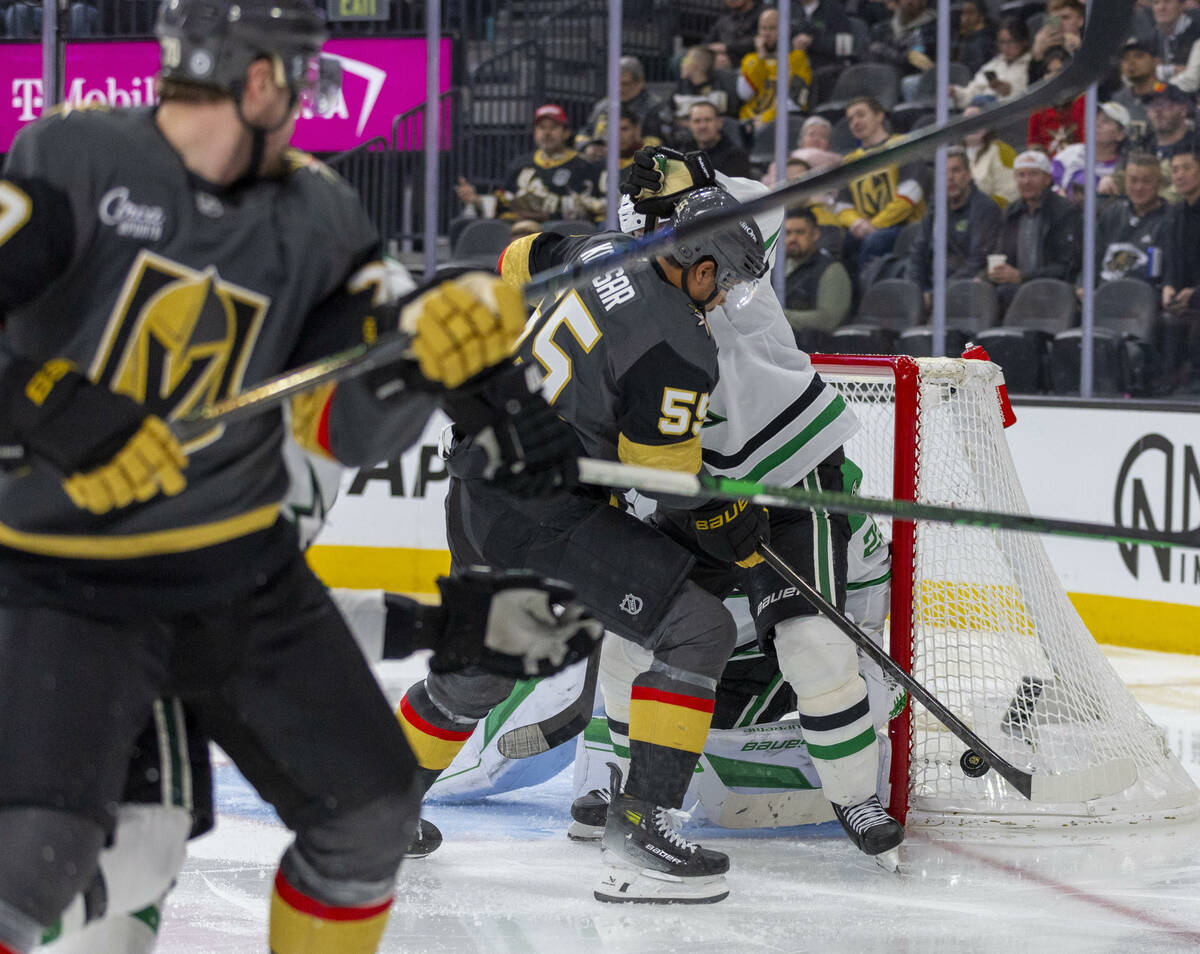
{"x":1084,"y":785}
{"x":618,"y":476}
{"x":1106,"y":28}
{"x":527,"y":740}
{"x":274,"y":391}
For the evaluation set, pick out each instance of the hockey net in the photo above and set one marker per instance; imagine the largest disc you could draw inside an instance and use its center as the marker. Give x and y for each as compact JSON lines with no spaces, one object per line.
{"x":980,"y":618}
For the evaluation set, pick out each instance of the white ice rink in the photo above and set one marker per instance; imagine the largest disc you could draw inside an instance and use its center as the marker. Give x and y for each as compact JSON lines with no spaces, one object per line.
{"x":507,"y":880}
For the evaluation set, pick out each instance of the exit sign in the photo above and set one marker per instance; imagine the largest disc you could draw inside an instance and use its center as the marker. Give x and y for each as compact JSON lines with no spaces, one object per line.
{"x":342,"y":10}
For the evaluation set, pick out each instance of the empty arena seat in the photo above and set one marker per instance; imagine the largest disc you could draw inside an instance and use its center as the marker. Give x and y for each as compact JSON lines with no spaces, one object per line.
{"x":888,"y":308}
{"x":971,"y":307}
{"x":1040,"y":309}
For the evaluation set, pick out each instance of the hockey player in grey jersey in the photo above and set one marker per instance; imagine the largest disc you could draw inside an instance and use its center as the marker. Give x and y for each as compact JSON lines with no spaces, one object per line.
{"x":774,"y":419}
{"x":629,"y":363}
{"x":153,"y":261}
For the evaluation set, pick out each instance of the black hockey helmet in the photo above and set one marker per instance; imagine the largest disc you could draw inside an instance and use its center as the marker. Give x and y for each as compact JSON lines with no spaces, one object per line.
{"x":736,"y":247}
{"x":213,"y":42}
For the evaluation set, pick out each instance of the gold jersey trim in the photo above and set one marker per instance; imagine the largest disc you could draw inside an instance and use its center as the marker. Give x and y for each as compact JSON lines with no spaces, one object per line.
{"x":683,"y":456}
{"x":133,"y":545}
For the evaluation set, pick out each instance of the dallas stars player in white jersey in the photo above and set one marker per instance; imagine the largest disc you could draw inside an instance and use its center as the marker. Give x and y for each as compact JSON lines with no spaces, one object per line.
{"x":773,"y":419}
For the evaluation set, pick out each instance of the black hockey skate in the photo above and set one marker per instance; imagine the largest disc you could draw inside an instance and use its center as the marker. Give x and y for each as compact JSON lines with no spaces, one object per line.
{"x":873,"y":830}
{"x":588,"y":815}
{"x":425,"y":841}
{"x":647,"y":859}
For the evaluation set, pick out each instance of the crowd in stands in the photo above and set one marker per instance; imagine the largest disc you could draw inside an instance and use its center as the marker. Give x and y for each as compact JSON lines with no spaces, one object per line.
{"x":861,"y":73}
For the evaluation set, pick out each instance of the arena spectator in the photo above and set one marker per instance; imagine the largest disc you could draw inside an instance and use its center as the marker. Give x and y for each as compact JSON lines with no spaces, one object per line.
{"x":1175,"y":33}
{"x":1054,"y":127}
{"x":1006,"y":75}
{"x":1131,"y":230}
{"x":552,"y":182}
{"x":991,"y":162}
{"x":756,"y":83}
{"x":1181,"y":276}
{"x":976,"y":40}
{"x":817,"y":292}
{"x":1139,"y":71}
{"x":908,"y":41}
{"x":1170,"y":131}
{"x":814,"y":160}
{"x":815,"y":133}
{"x":972,"y":228}
{"x":1041,"y":232}
{"x":655,"y":117}
{"x":822,"y":30}
{"x":699,"y":79}
{"x":1061,"y":29}
{"x":1112,"y":144}
{"x":873,"y":208}
{"x":731,"y":36}
{"x":728,"y":157}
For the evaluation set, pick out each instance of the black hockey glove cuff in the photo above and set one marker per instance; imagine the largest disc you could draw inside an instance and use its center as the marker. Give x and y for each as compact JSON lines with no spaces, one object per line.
{"x":511,"y":622}
{"x":530,"y":451}
{"x":62,"y":417}
{"x":660,"y":176}
{"x":730,"y":531}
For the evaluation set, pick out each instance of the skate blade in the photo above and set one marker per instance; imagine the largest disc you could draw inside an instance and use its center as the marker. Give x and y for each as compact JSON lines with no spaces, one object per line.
{"x":888,"y":860}
{"x":620,"y":885}
{"x":582,"y":832}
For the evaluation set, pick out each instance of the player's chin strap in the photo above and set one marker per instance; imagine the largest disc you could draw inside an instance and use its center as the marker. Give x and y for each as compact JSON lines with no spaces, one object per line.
{"x":258,"y":134}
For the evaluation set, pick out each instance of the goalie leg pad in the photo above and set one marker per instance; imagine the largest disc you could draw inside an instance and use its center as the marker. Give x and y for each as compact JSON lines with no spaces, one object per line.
{"x":147,"y":852}
{"x":831,"y":697}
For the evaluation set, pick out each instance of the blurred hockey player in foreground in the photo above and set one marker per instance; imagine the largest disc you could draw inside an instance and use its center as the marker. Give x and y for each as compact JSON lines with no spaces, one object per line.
{"x":153,"y":261}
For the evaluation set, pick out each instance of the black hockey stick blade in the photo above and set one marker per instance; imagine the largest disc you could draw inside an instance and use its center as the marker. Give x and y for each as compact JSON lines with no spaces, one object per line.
{"x":1106,"y":28}
{"x":527,"y":740}
{"x":618,"y":476}
{"x":1021,"y":781}
{"x":1079,"y":785}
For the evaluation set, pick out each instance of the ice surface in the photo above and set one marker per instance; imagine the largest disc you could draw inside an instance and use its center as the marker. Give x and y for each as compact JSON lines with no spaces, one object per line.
{"x":507,"y":880}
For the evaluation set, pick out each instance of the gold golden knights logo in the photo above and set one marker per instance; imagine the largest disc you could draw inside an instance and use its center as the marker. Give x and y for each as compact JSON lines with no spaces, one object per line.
{"x":178,"y":339}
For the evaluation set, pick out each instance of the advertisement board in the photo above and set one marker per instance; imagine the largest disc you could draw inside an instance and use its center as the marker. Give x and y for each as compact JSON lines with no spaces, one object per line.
{"x":1132,"y":468}
{"x":381,"y":78}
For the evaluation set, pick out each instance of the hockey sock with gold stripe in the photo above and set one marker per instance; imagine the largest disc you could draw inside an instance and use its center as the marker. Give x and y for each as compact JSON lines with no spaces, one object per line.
{"x":301,"y":924}
{"x":668,"y":724}
{"x":434,"y":738}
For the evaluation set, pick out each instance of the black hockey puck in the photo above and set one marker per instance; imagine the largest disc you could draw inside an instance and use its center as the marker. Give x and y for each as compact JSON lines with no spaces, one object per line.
{"x":973,"y":764}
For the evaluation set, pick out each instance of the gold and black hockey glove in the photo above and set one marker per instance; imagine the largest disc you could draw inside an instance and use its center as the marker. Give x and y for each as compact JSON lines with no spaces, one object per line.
{"x":463,"y":326}
{"x":729,"y":531}
{"x":660,"y":176}
{"x":113,"y":452}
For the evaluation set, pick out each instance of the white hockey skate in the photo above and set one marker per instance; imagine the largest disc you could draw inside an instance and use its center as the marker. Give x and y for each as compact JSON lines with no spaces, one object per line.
{"x":873,"y":831}
{"x":647,"y":860}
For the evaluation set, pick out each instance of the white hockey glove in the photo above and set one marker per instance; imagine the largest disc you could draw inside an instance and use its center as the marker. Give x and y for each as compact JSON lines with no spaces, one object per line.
{"x":511,"y":622}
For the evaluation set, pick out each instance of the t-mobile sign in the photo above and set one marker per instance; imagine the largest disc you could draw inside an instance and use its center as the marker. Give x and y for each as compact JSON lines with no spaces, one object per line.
{"x":381,"y":78}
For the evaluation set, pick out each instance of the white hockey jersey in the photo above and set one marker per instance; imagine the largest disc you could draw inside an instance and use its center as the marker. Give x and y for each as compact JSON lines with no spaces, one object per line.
{"x":771,"y":418}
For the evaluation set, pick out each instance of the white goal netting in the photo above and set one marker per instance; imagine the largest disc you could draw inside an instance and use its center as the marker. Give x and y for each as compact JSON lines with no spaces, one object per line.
{"x":993,"y":634}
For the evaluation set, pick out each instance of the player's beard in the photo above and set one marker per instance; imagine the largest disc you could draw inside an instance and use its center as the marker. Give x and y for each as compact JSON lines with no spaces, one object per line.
{"x":276,"y":147}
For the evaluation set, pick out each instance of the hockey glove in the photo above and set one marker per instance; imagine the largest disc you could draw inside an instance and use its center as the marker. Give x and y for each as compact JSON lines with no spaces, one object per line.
{"x":511,"y":622}
{"x":114,"y":452}
{"x":463,"y":326}
{"x":730,"y":531}
{"x":529,"y":450}
{"x":660,"y":177}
